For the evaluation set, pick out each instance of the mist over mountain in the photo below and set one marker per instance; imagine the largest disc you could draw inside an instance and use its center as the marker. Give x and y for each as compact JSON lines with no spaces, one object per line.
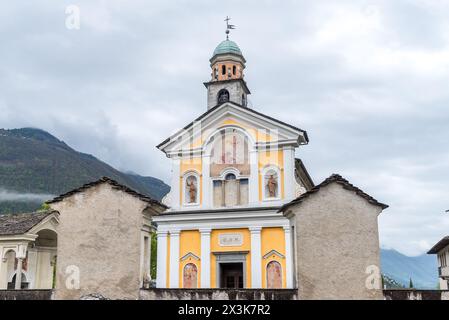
{"x":35,"y":166}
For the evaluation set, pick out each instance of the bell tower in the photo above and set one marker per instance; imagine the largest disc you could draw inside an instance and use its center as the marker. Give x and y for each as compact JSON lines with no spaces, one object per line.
{"x":227,"y":77}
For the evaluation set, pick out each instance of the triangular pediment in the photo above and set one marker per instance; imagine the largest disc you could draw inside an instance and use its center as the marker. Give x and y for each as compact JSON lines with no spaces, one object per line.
{"x":273,"y":252}
{"x":190,"y":255}
{"x":263,"y":129}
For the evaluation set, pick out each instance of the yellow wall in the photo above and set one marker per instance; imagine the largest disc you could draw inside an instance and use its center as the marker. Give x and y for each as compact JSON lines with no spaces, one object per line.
{"x":272,"y":239}
{"x":214,"y":247}
{"x":275,"y":157}
{"x":189,"y":241}
{"x":258,"y":135}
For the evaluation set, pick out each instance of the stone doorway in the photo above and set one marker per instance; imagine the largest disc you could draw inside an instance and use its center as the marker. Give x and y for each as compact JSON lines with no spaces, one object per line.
{"x":231,"y":275}
{"x":231,"y":269}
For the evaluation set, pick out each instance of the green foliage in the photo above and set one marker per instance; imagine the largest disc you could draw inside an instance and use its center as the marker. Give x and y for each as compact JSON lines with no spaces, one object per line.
{"x":33,"y":161}
{"x":410,"y":284}
{"x":44,"y":207}
{"x":153,"y":255}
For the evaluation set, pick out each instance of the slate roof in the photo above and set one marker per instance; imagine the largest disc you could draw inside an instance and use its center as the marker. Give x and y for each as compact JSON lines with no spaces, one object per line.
{"x":114,"y":184}
{"x":19,"y":223}
{"x":439,"y":246}
{"x":334,"y":178}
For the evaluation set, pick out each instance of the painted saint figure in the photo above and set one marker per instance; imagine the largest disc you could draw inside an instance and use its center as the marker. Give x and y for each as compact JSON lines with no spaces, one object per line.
{"x":272,"y":186}
{"x":191,"y":186}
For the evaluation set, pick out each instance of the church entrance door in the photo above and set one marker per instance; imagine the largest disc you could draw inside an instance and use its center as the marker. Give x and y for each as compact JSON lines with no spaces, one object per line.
{"x":231,"y":275}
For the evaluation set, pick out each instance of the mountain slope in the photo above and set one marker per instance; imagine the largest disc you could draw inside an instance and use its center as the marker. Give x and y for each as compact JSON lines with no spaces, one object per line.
{"x":37,"y":164}
{"x":422,"y":269}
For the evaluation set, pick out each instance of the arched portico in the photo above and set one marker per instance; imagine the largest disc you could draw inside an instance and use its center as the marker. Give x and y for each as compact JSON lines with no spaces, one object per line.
{"x":28,"y":250}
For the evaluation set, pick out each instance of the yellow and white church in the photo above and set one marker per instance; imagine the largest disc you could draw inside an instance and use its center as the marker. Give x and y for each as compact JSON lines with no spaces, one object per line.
{"x":233,"y":167}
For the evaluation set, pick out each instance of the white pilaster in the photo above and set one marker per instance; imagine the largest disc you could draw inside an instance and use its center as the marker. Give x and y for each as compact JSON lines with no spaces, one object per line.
{"x":175,"y":192}
{"x":174,"y":259}
{"x":18,"y":283}
{"x":205,"y":258}
{"x":256,"y":258}
{"x":20,"y":255}
{"x":161,"y":269}
{"x":3,"y":267}
{"x":148,"y":262}
{"x":289,"y":173}
{"x":254,"y":178}
{"x":207,"y":182}
{"x":288,"y":257}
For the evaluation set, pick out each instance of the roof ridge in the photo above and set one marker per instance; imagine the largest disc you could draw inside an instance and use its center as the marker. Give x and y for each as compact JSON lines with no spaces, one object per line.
{"x":337,"y":178}
{"x":111,"y":182}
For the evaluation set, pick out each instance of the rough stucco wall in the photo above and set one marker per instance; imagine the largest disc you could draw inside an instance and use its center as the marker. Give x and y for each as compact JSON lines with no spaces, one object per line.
{"x":99,"y":232}
{"x":337,"y":239}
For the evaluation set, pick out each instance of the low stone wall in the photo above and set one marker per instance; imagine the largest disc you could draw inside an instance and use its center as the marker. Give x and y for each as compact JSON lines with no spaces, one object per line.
{"x":218,"y":294}
{"x":412,"y":294}
{"x":229,"y":294}
{"x":26,"y":294}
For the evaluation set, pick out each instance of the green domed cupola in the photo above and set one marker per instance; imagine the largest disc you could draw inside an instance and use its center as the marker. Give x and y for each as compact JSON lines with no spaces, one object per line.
{"x":227,"y":46}
{"x":227,"y":74}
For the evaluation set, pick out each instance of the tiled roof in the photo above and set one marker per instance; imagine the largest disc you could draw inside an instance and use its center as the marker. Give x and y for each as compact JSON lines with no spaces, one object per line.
{"x":114,"y":184}
{"x":19,"y":223}
{"x":439,"y":246}
{"x":335,"y":178}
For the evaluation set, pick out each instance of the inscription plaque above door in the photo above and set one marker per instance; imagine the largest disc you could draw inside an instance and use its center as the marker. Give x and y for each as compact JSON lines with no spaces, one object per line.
{"x":230,"y":239}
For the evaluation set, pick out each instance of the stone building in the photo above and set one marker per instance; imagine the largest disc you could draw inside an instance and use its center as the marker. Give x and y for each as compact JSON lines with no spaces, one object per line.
{"x":339,"y":221}
{"x":441,"y":249}
{"x":105,"y":240}
{"x":97,"y":239}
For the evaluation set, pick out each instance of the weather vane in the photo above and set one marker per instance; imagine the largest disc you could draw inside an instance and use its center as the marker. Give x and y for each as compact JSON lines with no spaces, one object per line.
{"x":228,"y":27}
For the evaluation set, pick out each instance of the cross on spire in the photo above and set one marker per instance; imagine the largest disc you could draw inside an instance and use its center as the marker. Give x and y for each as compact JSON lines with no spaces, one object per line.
{"x":228,"y":27}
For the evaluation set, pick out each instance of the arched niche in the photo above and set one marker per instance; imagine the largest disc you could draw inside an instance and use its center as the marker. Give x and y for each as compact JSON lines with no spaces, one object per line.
{"x":190,"y":276}
{"x":274,"y":275}
{"x":271,"y":188}
{"x":191,"y":188}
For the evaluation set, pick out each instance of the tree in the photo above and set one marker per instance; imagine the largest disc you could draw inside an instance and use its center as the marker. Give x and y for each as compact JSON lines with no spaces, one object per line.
{"x":410,"y":285}
{"x":153,"y":255}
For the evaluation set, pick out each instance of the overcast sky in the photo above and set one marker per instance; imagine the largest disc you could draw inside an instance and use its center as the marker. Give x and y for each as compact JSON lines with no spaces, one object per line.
{"x":368,"y":80}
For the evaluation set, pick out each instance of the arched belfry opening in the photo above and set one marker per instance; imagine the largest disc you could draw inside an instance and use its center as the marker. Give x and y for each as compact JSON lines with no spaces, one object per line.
{"x":223,"y":96}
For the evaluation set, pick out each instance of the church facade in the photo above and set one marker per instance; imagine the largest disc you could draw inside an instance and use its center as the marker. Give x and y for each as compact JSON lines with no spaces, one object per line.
{"x":232,"y":169}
